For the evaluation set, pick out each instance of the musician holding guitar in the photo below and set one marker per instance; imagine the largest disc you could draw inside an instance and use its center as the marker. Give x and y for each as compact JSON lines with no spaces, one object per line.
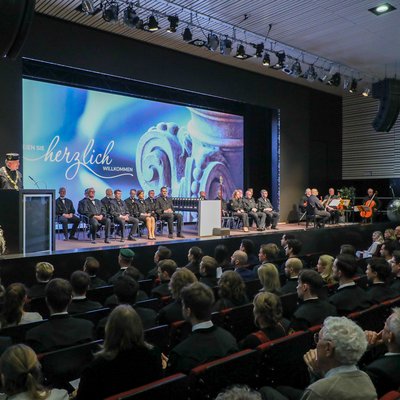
{"x":372,"y":202}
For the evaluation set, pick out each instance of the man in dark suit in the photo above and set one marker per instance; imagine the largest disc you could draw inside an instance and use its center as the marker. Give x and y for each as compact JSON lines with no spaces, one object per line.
{"x":61,"y":330}
{"x":250,"y":206}
{"x":348,"y":297}
{"x":385,"y":371}
{"x":207,"y":341}
{"x":106,"y":201}
{"x":293,"y":267}
{"x":395,"y":264}
{"x":166,"y":268}
{"x":208,"y":271}
{"x":130,"y":202}
{"x":65,"y":212}
{"x":239,"y":262}
{"x":44,"y":272}
{"x":264,"y":205}
{"x":95,"y":211}
{"x":314,"y":206}
{"x":165,"y":211}
{"x":91,"y":267}
{"x":125,"y":259}
{"x":378,"y":274}
{"x":80,"y":303}
{"x":312,"y":310}
{"x":121,"y":216}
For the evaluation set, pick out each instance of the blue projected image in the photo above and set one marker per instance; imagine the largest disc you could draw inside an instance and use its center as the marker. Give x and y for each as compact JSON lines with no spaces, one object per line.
{"x":79,"y":138}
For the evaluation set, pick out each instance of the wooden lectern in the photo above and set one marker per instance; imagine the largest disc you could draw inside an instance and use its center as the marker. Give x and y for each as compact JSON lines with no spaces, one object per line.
{"x":27,"y":220}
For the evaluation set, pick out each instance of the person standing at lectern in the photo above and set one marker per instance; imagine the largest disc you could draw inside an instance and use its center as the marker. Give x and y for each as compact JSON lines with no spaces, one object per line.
{"x":65,"y":212}
{"x":10,"y":177}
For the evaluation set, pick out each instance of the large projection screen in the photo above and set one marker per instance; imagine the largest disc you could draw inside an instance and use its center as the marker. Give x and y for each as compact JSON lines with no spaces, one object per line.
{"x":79,"y":138}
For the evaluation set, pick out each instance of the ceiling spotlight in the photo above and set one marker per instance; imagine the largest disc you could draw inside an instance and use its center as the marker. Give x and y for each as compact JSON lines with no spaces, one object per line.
{"x":366,"y":92}
{"x":198,"y":42}
{"x":140,"y":24}
{"x":152,"y":25}
{"x":173,"y":23}
{"x":87,"y":7}
{"x":311,"y":75}
{"x":226,"y":47}
{"x":281,"y":60}
{"x":241,"y":53}
{"x":130,"y":17}
{"x":382,"y":9}
{"x":212,"y":41}
{"x":335,"y":80}
{"x":296,"y":69}
{"x":111,"y":11}
{"x":259,"y":49}
{"x":346,"y":84}
{"x":353,"y":86}
{"x":266,"y":60}
{"x":187,"y":34}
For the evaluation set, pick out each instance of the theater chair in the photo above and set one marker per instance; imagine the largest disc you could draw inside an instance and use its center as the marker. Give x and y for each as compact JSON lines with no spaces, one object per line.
{"x":172,"y":387}
{"x":179,"y":330}
{"x":281,"y":361}
{"x":59,"y":367}
{"x":39,"y":305}
{"x":206,"y":380}
{"x":95,"y":315}
{"x":392,"y":303}
{"x":393,"y":395}
{"x":239,"y":320}
{"x":100,"y":294}
{"x":17,"y":333}
{"x":158,"y":336}
{"x":371,"y":319}
{"x":252,"y":287}
{"x":289,"y":304}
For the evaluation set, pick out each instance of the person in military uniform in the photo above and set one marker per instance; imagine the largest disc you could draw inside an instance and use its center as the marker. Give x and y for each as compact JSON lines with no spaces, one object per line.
{"x":10,"y":177}
{"x":106,"y":201}
{"x":265,"y":206}
{"x":143,"y":211}
{"x":250,"y":207}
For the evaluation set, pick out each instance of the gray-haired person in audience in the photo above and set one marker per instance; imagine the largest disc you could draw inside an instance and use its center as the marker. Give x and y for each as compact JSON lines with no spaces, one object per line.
{"x":239,"y":392}
{"x":333,"y":366}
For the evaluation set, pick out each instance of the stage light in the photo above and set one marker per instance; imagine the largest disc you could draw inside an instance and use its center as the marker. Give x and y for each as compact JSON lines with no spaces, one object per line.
{"x":281,"y":60}
{"x":110,"y":12}
{"x":259,"y":49}
{"x":366,"y":92}
{"x":296,"y":69}
{"x":346,"y":84}
{"x":87,"y":7}
{"x":131,"y":19}
{"x":241,"y":53}
{"x":311,"y":75}
{"x":140,"y":24}
{"x":152,"y":24}
{"x":335,"y":80}
{"x":353,"y":86}
{"x":187,"y":34}
{"x":173,"y":23}
{"x":212,"y":41}
{"x":266,"y":60}
{"x":225,"y":47}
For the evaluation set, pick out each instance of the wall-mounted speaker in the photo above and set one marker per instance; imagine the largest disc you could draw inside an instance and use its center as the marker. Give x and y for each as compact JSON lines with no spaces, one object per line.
{"x":388,"y":93}
{"x":15,"y":21}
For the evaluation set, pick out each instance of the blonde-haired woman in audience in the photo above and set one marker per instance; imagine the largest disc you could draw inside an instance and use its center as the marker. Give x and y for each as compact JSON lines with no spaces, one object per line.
{"x":269,"y":278}
{"x":324,"y":268}
{"x":126,"y":360}
{"x":268,"y":316}
{"x":13,"y":312}
{"x":21,"y":376}
{"x":232,"y":291}
{"x":389,"y":234}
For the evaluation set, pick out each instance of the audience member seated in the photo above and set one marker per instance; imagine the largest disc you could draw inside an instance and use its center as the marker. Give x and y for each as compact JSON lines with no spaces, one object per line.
{"x":348,"y":249}
{"x":397,"y":233}
{"x":293,"y":266}
{"x":91,"y":267}
{"x":378,"y":274}
{"x":232,"y":291}
{"x":21,"y":376}
{"x":166,"y":268}
{"x":238,"y":393}
{"x":221,"y":254}
{"x":125,"y":259}
{"x":385,"y":371}
{"x":395,"y":264}
{"x":239,"y":262}
{"x":126,"y":360}
{"x":162,"y":253}
{"x":333,"y":366}
{"x":13,"y":308}
{"x":207,"y":341}
{"x":374,"y":249}
{"x":268,"y":317}
{"x":348,"y":297}
{"x":267,"y":254}
{"x":389,"y":234}
{"x":311,"y":310}
{"x":61,"y":330}
{"x":80,"y":303}
{"x":292,"y":250}
{"x":126,"y":291}
{"x":208,"y":271}
{"x":173,"y":311}
{"x":44,"y":272}
{"x":195,"y":255}
{"x":247,"y":246}
{"x":284,"y":239}
{"x":324,"y":268}
{"x":269,"y":278}
{"x":388,"y":247}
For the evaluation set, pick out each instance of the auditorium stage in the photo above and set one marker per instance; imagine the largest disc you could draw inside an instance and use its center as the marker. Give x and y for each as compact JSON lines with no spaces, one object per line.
{"x":70,"y":256}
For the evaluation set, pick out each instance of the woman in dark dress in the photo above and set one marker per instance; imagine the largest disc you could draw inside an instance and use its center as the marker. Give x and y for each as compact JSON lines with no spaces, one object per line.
{"x":268,"y":317}
{"x":232,"y":291}
{"x":126,"y":360}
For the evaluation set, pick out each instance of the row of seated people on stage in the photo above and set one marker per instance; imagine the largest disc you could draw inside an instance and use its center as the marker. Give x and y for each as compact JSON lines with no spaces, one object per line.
{"x":247,"y":208}
{"x":194,"y":300}
{"x":112,"y":209}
